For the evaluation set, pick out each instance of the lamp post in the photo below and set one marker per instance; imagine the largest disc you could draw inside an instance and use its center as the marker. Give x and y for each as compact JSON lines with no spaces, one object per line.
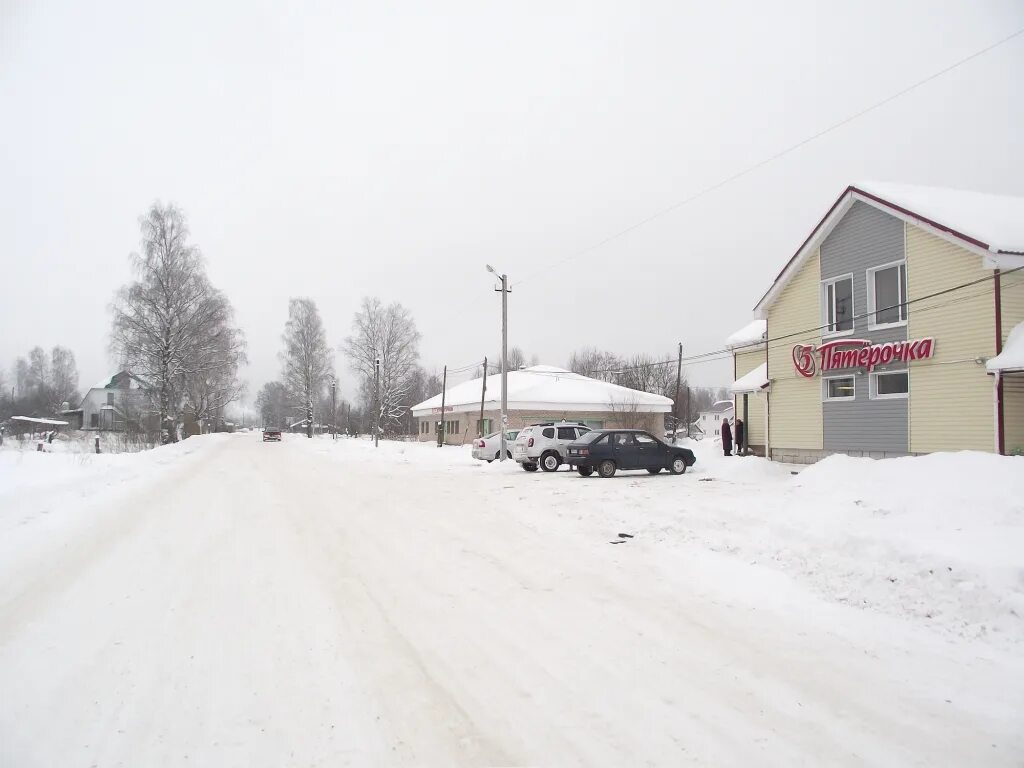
{"x":376,"y":390}
{"x":504,"y":355}
{"x":334,"y":409}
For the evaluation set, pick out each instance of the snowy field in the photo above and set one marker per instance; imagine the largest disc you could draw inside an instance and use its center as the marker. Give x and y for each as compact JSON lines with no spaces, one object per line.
{"x":226,"y":602}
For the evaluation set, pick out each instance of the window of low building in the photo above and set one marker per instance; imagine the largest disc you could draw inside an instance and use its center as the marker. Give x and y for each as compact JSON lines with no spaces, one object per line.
{"x":887,"y":295}
{"x":886,"y":385}
{"x":840,"y":388}
{"x":837,"y":304}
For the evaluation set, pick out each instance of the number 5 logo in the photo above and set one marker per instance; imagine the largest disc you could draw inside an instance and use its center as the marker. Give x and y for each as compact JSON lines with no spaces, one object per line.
{"x":803,"y":359}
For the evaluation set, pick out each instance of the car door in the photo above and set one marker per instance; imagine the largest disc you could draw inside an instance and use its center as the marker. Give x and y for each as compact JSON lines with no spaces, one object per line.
{"x":625,"y":450}
{"x":650,"y":454}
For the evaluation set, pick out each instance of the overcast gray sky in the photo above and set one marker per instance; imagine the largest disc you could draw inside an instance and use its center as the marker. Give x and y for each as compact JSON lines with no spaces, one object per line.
{"x":335,"y":150}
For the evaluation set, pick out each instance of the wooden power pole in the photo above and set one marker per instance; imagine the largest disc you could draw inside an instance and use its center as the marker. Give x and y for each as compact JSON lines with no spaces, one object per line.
{"x":675,"y":404}
{"x":483,"y":392}
{"x":441,"y":425}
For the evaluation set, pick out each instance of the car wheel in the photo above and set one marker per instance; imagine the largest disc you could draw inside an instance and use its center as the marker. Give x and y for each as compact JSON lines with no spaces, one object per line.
{"x":509,"y":454}
{"x":606,"y":468}
{"x":585,"y":471}
{"x":654,"y":470}
{"x":530,"y":467}
{"x":550,"y":462}
{"x":678,"y":465}
{"x":496,"y":457}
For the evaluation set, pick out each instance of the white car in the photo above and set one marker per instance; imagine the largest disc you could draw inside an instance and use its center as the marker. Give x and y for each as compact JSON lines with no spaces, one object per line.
{"x":489,"y":448}
{"x":545,"y":444}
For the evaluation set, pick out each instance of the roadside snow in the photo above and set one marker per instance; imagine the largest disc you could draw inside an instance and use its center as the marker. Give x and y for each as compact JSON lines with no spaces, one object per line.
{"x":230,"y":602}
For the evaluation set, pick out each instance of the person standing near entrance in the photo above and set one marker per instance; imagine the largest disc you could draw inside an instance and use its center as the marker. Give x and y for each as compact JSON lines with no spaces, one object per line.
{"x":739,"y":437}
{"x":726,"y":437}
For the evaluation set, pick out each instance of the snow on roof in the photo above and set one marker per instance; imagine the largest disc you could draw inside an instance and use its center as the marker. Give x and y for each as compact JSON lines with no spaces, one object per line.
{"x":980,"y":222}
{"x":754,"y":381}
{"x":1012,"y":356}
{"x":104,"y":383}
{"x":34,"y":420}
{"x":751,"y":334}
{"x":545,"y":387}
{"x":993,"y":221}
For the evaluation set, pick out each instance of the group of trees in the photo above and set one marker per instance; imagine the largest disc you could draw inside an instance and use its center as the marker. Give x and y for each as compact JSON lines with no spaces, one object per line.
{"x":174,"y":330}
{"x":647,"y":373}
{"x":40,"y":384}
{"x":382,"y":351}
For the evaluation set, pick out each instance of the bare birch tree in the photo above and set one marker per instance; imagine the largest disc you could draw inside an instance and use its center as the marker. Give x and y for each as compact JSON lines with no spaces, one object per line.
{"x":387,"y":334}
{"x":170,"y":325}
{"x":63,"y":378}
{"x":596,"y":364}
{"x":308,"y":362}
{"x":273,"y":403}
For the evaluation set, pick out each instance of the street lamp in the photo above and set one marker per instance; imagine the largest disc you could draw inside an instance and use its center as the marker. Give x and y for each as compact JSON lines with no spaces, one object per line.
{"x":334,"y":409}
{"x":376,"y":390}
{"x":504,"y":354}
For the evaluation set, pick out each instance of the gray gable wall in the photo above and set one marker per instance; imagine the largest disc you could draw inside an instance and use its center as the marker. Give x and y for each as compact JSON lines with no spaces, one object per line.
{"x":865,"y":237}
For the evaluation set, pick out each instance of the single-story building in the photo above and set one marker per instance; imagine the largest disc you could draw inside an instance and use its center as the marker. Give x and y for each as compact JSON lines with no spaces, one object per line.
{"x":880,"y":329}
{"x":540,"y":393}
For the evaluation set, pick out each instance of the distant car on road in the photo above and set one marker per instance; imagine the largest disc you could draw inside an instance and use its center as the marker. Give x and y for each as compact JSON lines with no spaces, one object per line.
{"x":609,"y":450}
{"x":272,"y":435}
{"x":545,"y":444}
{"x":489,"y":448}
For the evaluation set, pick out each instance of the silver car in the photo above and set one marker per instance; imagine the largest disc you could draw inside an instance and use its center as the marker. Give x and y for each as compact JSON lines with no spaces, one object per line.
{"x":544,"y":445}
{"x":489,"y":448}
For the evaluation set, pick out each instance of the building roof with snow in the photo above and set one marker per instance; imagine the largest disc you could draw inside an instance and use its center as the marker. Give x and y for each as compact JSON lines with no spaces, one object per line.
{"x":1011,"y":359}
{"x":751,"y":335}
{"x":990,"y":226}
{"x":545,"y":387}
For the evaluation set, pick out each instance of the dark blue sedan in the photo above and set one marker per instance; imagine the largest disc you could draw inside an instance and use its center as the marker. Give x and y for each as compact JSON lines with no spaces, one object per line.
{"x":609,"y":450}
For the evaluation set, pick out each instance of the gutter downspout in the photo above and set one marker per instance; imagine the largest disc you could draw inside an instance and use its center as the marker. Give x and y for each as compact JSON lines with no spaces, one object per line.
{"x":998,"y":295}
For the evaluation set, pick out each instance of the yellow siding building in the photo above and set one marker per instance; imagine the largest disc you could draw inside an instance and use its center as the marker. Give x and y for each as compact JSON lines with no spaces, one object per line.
{"x":881,"y":328}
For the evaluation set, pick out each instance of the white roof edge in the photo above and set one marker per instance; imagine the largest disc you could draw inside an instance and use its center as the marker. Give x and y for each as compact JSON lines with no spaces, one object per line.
{"x":542,"y":406}
{"x":861,"y":191}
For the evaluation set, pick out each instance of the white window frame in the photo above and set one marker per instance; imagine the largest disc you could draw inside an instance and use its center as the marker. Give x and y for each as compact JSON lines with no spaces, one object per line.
{"x":901,"y":290}
{"x":824,"y":305}
{"x":824,"y":389}
{"x":873,"y":386}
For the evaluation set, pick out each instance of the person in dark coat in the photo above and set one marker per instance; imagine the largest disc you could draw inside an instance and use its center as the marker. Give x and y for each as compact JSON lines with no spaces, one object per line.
{"x":726,"y":438}
{"x":739,"y":436}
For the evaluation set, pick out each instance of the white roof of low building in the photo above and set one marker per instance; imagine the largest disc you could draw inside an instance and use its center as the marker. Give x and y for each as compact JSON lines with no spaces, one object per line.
{"x":754,"y":381}
{"x":545,"y":387}
{"x":34,"y":420}
{"x":750,"y":335}
{"x":1012,"y":356}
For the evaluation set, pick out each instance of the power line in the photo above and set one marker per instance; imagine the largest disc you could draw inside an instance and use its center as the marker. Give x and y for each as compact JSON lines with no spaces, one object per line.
{"x":771,"y":158}
{"x":725,"y":352}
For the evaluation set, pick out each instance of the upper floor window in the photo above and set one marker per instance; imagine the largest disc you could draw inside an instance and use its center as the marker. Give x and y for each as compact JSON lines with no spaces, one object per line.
{"x":887,"y":295}
{"x":837,"y":300}
{"x":110,"y":398}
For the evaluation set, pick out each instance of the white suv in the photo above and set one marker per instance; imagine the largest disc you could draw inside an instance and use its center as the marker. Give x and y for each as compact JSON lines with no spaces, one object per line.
{"x":545,"y":444}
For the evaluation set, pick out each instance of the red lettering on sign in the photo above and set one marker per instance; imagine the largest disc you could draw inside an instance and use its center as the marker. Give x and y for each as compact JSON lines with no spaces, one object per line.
{"x":859,"y":353}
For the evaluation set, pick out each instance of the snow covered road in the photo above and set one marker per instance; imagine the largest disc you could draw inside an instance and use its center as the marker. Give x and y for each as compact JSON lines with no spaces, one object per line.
{"x":318,"y":603}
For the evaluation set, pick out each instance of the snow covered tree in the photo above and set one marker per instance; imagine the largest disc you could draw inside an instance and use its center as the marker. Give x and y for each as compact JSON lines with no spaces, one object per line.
{"x":38,"y":372}
{"x":596,"y":364}
{"x":273,"y":403}
{"x":171,"y":327}
{"x":63,"y":378}
{"x":388,"y":334}
{"x":308,"y":362}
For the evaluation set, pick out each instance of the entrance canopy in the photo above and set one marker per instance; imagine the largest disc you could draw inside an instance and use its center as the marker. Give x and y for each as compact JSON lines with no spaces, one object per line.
{"x":755,"y":381}
{"x":1011,"y":359}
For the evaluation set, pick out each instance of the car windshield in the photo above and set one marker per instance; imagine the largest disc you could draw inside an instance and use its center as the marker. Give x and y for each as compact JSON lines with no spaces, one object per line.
{"x":589,"y":437}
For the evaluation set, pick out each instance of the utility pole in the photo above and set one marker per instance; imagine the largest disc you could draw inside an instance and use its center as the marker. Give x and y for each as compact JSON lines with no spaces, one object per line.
{"x":688,"y":416}
{"x":504,"y":355}
{"x":442,"y":423}
{"x":334,"y":409}
{"x":483,"y":392}
{"x":376,"y":389}
{"x":675,"y":405}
